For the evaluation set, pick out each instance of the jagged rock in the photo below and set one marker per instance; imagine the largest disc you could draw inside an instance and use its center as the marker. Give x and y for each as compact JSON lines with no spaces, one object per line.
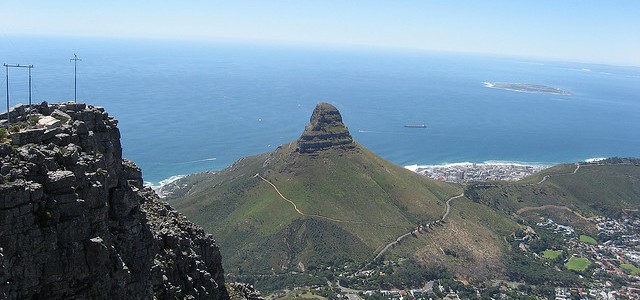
{"x":5,"y":149}
{"x":244,"y":291}
{"x":28,"y":136}
{"x":58,"y":114}
{"x":58,"y":182}
{"x":77,"y":223}
{"x":325,"y":131}
{"x":80,"y":127}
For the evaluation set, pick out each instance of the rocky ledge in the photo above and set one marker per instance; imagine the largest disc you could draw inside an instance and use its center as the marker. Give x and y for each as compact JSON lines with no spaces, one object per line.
{"x":77,"y":223}
{"x":325,"y":131}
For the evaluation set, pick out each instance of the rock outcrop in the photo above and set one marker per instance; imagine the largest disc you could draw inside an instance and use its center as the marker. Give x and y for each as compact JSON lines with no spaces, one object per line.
{"x":77,"y":223}
{"x":325,"y":131}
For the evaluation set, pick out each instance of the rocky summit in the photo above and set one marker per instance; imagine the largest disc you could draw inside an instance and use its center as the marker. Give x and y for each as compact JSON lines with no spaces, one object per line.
{"x":77,"y":223}
{"x":325,"y":131}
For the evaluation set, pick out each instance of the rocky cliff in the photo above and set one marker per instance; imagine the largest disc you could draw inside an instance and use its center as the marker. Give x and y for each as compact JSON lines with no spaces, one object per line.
{"x":324,"y":131}
{"x":76,"y":221}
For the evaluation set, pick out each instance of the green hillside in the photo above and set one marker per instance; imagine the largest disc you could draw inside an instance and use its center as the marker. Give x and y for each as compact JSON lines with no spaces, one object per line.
{"x":567,"y":192}
{"x":353,"y":203}
{"x":325,"y":200}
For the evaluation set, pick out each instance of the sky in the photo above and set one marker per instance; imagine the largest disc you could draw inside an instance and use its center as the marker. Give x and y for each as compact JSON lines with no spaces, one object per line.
{"x":605,"y":32}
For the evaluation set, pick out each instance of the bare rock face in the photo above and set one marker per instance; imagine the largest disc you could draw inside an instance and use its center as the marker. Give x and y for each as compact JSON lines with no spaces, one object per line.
{"x":325,"y":131}
{"x":77,"y":223}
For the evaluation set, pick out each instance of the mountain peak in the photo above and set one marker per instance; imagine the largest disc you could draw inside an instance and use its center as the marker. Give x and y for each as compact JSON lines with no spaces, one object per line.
{"x":325,"y":131}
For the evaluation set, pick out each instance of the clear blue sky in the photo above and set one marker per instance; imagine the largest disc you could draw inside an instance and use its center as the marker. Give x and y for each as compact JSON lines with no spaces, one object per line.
{"x":588,"y":31}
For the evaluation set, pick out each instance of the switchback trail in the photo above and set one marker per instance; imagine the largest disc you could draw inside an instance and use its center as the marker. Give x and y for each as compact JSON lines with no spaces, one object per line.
{"x":562,"y":174}
{"x":415,"y":231}
{"x":446,"y":213}
{"x":543,"y":207}
{"x":300,"y":212}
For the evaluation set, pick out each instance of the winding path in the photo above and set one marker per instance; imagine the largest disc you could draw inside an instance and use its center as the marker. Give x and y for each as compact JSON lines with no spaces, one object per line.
{"x":413,"y":231}
{"x":416,"y":230}
{"x":562,"y":174}
{"x":300,"y":212}
{"x":281,"y":195}
{"x":446,"y":213}
{"x":549,"y":206}
{"x":543,"y":207}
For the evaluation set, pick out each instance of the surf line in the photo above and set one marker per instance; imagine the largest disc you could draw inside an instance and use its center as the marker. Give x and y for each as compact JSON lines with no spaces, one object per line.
{"x":295,"y":207}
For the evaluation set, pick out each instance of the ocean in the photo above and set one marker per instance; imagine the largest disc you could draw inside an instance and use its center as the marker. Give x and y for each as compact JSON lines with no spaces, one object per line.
{"x":187,"y":107}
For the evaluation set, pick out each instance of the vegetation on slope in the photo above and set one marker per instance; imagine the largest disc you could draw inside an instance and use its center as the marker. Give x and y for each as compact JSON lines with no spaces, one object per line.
{"x":354,"y":203}
{"x":567,"y":193}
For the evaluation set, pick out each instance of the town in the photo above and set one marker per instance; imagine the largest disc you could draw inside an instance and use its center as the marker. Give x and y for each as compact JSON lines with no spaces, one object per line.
{"x":469,"y":172}
{"x":604,"y":267}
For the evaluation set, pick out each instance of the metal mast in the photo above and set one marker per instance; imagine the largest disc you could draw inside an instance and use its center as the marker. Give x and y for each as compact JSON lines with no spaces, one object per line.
{"x":75,"y":60}
{"x":7,"y":66}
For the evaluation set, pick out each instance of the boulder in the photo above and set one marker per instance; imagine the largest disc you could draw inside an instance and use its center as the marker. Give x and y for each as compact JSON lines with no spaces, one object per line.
{"x":28,"y":136}
{"x":59,"y":182}
{"x":49,"y":122}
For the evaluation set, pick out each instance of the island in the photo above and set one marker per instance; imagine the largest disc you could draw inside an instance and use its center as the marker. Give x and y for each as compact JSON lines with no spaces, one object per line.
{"x":526,"y":88}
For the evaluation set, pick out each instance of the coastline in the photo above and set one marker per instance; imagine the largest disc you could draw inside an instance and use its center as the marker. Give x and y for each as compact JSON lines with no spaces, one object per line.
{"x":449,"y":172}
{"x":157,"y":187}
{"x":492,"y":170}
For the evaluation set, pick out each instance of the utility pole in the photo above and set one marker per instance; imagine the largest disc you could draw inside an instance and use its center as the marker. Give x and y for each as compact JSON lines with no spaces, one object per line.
{"x":30,"y":67}
{"x":75,"y":60}
{"x":7,"y":66}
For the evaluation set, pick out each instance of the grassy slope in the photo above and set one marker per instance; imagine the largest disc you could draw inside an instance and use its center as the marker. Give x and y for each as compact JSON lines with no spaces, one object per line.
{"x":258,"y":230}
{"x":473,"y":237}
{"x":593,"y":190}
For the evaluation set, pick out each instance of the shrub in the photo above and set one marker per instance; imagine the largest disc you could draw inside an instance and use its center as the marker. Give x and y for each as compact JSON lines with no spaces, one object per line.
{"x":15,"y":128}
{"x":3,"y":134}
{"x":33,"y":120}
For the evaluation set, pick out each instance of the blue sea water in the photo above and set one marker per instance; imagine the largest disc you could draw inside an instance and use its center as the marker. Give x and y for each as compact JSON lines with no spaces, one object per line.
{"x":187,"y":107}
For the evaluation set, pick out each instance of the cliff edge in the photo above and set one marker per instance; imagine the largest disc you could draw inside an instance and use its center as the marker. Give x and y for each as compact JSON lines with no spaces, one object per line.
{"x":76,"y":221}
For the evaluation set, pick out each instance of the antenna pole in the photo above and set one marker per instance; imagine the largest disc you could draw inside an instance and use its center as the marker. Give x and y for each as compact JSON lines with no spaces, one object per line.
{"x":75,"y":60}
{"x":30,"y":67}
{"x":6,"y":67}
